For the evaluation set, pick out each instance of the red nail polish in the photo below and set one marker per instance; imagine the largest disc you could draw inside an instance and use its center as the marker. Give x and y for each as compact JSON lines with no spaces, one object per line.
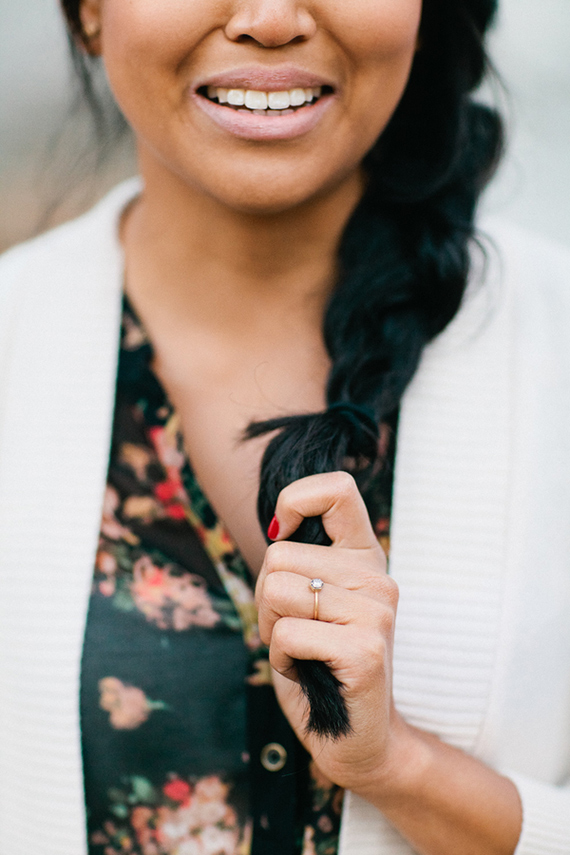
{"x":273,"y":530}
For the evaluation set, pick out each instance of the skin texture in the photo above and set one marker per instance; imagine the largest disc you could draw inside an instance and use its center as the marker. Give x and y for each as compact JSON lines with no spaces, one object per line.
{"x":442,"y":800}
{"x":364,"y":48}
{"x":230,"y":257}
{"x":242,"y":235}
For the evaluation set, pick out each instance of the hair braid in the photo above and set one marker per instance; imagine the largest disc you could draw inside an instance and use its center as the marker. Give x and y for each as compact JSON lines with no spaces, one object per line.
{"x":404,"y":262}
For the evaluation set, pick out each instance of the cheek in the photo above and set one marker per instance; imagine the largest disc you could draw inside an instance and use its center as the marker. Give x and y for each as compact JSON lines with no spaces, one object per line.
{"x":377,"y":26}
{"x":154,"y":23}
{"x":144,"y":41}
{"x":380,"y":37}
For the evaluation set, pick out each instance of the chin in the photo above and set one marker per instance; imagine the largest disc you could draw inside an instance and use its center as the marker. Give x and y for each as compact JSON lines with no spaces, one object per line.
{"x":264,"y":205}
{"x":264,"y":197}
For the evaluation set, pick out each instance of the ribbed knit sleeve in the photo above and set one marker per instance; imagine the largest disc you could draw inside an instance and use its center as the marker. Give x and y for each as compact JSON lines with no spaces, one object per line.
{"x":546,"y":817}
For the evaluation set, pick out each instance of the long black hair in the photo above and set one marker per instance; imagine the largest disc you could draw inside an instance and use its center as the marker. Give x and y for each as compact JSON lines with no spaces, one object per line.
{"x":404,"y":264}
{"x":404,"y":256}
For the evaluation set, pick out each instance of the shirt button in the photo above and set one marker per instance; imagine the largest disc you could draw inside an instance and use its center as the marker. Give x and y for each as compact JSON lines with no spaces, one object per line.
{"x":273,"y":757}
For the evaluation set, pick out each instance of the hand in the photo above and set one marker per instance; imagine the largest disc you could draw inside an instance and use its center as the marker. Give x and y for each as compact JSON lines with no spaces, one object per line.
{"x":442,"y":800}
{"x":353,"y":635}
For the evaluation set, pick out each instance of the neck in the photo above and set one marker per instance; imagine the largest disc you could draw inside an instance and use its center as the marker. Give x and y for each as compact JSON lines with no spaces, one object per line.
{"x":226,"y":268}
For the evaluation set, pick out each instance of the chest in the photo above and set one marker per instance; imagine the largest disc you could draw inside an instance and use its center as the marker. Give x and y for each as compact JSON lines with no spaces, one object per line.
{"x":216,"y":401}
{"x":226,"y":467}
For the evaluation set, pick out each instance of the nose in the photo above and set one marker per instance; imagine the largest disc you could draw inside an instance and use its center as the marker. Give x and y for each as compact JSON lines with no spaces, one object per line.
{"x":271,"y":23}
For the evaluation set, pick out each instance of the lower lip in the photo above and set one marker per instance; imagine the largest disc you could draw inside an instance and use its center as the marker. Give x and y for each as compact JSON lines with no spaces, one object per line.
{"x":248,"y":126}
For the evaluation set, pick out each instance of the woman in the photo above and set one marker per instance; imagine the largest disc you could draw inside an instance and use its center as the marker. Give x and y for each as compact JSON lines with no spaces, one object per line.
{"x":300,"y":239}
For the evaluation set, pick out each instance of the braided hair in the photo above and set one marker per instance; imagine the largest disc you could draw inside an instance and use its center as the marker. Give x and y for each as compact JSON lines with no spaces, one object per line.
{"x":404,"y":265}
{"x":403,"y":270}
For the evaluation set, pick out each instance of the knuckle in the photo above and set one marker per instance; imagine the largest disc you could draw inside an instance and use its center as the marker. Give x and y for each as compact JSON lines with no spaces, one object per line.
{"x":376,"y":650}
{"x":373,"y":583}
{"x":381,"y":586}
{"x":272,"y":588}
{"x":382,"y":618}
{"x":390,"y":591}
{"x":281,"y":636}
{"x":370,"y":654}
{"x":345,"y":485}
{"x":281,"y":662}
{"x":275,"y":556}
{"x":387,"y":621}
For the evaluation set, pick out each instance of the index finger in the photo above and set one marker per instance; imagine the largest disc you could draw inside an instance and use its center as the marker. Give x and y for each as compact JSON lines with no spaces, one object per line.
{"x":335,"y":498}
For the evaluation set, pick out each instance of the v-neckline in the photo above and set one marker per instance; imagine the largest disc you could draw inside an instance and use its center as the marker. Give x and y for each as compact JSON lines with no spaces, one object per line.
{"x":216,"y":540}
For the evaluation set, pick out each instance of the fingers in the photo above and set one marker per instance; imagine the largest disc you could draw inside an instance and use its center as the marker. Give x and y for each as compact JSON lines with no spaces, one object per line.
{"x":333,"y":496}
{"x":357,"y":605}
{"x":349,"y":568}
{"x":356,"y":590}
{"x":354,"y":594}
{"x":289,"y":595}
{"x":354,"y":654}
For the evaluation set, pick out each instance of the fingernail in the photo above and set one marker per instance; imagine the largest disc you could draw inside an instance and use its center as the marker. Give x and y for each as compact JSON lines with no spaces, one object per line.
{"x":273,"y":530}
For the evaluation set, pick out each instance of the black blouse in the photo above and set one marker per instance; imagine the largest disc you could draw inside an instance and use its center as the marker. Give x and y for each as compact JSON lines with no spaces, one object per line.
{"x":185,"y":749}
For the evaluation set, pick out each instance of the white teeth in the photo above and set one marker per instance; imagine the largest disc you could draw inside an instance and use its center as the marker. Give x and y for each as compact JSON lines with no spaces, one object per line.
{"x":236,"y":97}
{"x":297,"y":97}
{"x":256,"y":100}
{"x":278,"y":100}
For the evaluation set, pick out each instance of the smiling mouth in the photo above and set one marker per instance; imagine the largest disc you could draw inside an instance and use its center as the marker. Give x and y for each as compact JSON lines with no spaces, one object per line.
{"x":259,"y":103}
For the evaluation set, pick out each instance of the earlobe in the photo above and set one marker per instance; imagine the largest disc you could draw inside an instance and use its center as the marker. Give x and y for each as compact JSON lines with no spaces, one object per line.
{"x":90,"y":15}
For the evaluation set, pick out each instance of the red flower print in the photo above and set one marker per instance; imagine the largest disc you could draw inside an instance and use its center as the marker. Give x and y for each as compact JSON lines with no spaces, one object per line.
{"x":147,"y":579}
{"x":177,"y":790}
{"x":176,"y":512}
{"x":155,"y":434}
{"x":179,"y":820}
{"x":155,"y":577}
{"x":171,"y":601}
{"x":166,"y":491}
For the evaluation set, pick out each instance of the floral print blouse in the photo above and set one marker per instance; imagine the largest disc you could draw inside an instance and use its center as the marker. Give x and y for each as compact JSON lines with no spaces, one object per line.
{"x":185,"y":749}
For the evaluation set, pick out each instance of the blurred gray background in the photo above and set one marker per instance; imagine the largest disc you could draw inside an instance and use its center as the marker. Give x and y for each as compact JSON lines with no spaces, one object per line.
{"x":48,"y":174}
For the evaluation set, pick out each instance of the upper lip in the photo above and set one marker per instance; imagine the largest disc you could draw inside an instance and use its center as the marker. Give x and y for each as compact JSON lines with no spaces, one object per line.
{"x":265,"y":78}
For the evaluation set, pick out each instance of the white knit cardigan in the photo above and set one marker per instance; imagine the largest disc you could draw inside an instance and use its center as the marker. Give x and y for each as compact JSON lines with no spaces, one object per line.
{"x":480,"y":543}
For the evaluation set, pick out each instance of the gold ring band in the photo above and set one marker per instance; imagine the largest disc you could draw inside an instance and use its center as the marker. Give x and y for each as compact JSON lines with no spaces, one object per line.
{"x":316,"y":585}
